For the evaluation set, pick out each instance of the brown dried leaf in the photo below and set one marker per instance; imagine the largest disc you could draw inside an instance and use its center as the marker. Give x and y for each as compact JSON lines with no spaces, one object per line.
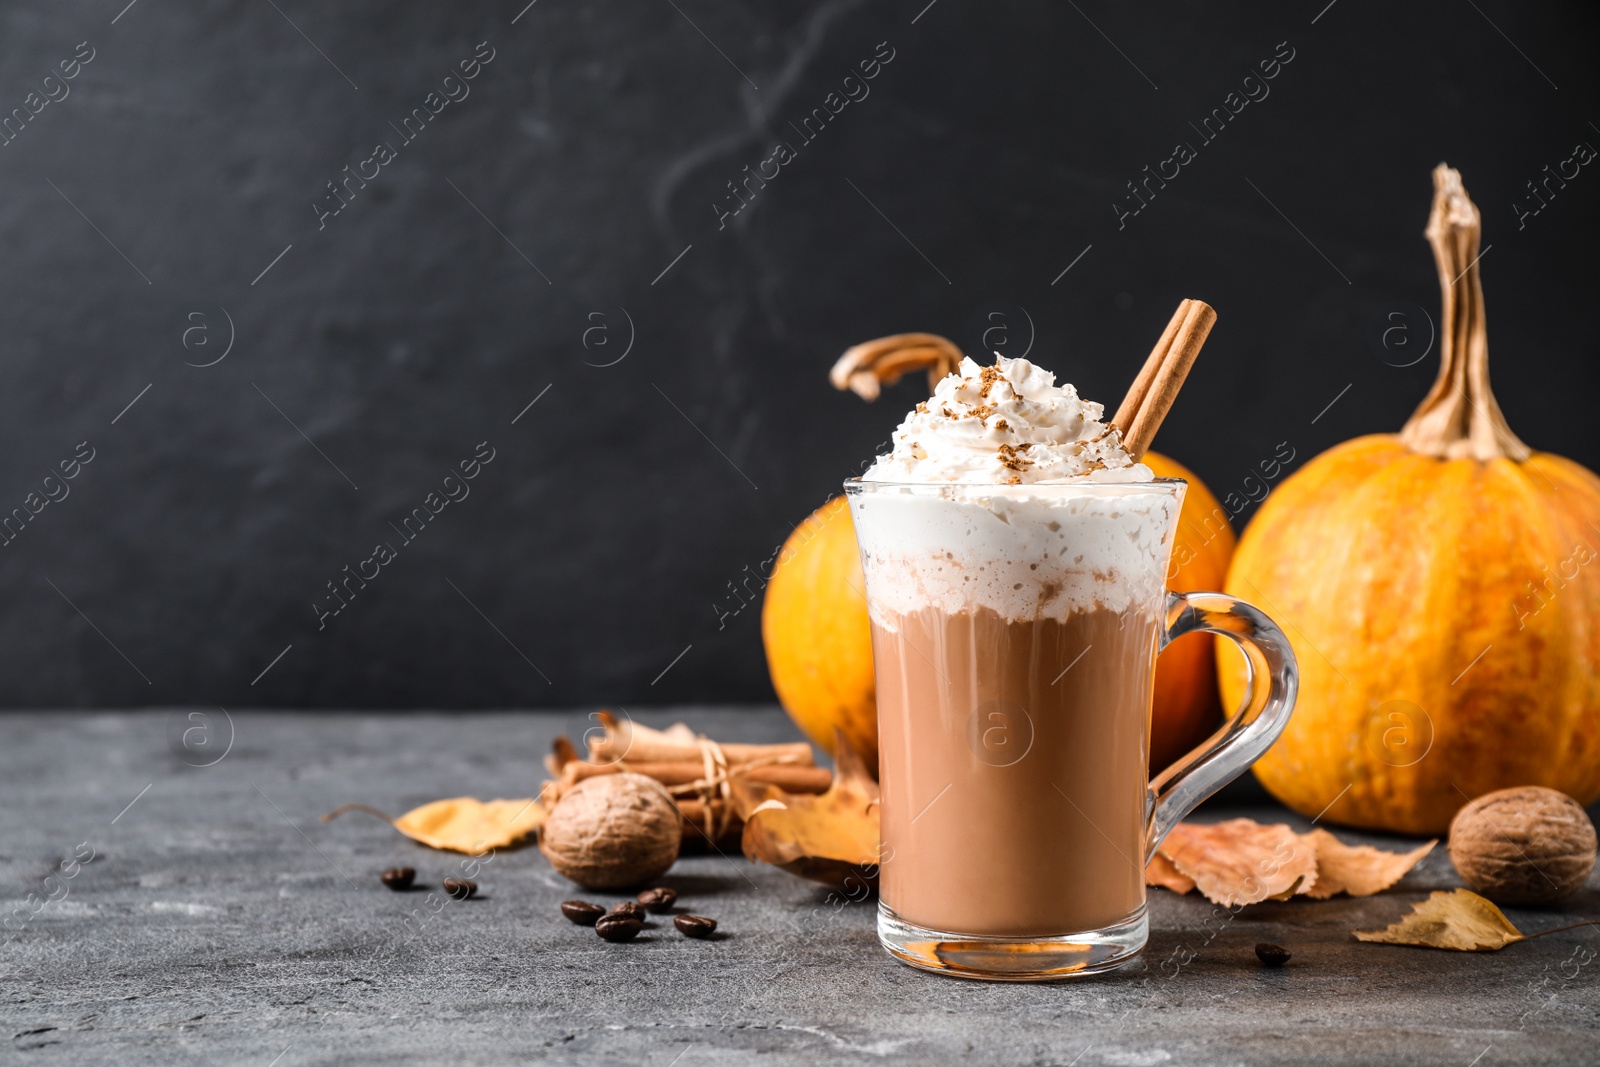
{"x":1241,"y":861}
{"x":1217,"y":857}
{"x":462,"y":824}
{"x":1298,"y":887}
{"x":1461,"y":921}
{"x":1359,"y":870}
{"x":1160,"y":871}
{"x":830,"y":838}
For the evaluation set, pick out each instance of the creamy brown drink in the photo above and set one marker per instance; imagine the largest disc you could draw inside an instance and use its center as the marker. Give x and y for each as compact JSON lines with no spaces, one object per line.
{"x":1014,"y":805}
{"x":1015,"y":556}
{"x":1015,"y":639}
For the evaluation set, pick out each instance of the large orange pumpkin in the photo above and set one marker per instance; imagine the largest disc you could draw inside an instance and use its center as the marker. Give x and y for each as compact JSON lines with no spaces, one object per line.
{"x":819,"y":643}
{"x":1440,"y":592}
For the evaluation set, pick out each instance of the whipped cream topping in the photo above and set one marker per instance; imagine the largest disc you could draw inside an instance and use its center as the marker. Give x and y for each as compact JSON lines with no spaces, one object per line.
{"x":1008,"y":424}
{"x":1021,"y":553}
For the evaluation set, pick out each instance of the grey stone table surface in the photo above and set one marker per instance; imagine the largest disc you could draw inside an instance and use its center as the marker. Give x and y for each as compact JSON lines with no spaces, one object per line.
{"x":220,"y":922}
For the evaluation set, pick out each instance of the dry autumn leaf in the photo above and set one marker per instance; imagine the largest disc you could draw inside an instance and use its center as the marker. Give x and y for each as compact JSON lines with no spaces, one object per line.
{"x":1241,"y":861}
{"x":1160,"y":871}
{"x":830,"y":838}
{"x":462,"y":824}
{"x":1359,"y":870}
{"x":1460,"y":920}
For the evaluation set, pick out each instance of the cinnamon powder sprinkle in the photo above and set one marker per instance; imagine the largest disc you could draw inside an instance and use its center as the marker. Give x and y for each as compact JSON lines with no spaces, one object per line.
{"x":1011,"y":457}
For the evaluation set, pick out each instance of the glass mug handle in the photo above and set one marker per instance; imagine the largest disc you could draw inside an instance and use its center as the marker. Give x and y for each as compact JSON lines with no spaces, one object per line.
{"x":1274,"y":679}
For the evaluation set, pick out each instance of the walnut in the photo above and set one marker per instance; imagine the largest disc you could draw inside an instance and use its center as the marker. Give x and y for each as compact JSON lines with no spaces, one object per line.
{"x":613,"y":831}
{"x":1528,"y":845}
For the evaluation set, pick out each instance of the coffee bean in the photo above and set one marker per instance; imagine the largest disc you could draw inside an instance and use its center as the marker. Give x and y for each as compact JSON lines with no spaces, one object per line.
{"x":659,"y":900}
{"x":581,"y":911}
{"x":631,"y":908}
{"x":1272,"y":955}
{"x":615,"y":927}
{"x":460,"y":888}
{"x":695,"y":925}
{"x":398,"y":878}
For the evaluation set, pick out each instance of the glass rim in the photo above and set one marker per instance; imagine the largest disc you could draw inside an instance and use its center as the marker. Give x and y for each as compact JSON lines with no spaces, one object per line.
{"x":1162,"y":485}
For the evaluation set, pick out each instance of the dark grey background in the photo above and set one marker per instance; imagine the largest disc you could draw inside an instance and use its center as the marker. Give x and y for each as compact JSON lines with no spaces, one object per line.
{"x":602,"y":538}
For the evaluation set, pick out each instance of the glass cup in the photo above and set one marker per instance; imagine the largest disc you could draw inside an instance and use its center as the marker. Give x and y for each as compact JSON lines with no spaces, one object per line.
{"x":1015,"y":630}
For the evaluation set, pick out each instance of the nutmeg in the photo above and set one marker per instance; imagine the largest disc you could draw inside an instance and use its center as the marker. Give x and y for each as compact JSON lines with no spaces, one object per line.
{"x":612,"y":832}
{"x":1528,"y":845}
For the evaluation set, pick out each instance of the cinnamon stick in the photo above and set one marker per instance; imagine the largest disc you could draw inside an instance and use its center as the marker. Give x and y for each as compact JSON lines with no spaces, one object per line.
{"x":1181,"y":351}
{"x":562,"y":753}
{"x":789,"y":778}
{"x":610,"y":749}
{"x":641,"y":744}
{"x":695,"y":816}
{"x":1123,"y":420}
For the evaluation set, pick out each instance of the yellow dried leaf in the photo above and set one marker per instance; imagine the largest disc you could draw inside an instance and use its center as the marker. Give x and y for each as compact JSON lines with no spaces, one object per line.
{"x":1359,"y":870}
{"x":830,"y":838}
{"x":1461,"y":921}
{"x":1241,"y":861}
{"x":463,"y":824}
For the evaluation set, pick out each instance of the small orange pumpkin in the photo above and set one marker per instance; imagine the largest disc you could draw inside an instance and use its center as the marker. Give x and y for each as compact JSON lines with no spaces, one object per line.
{"x":818,"y":639}
{"x":814,"y":619}
{"x":1186,"y":708}
{"x":1440,"y":592}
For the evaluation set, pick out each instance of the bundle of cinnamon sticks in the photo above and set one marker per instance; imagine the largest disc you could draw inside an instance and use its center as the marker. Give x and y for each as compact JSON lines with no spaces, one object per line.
{"x":697,"y":772}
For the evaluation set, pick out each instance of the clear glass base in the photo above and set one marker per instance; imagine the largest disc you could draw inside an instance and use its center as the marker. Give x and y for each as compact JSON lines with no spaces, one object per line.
{"x":1013,"y":959}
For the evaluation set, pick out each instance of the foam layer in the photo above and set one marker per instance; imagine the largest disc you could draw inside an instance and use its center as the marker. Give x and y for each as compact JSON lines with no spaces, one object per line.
{"x":1023,"y":553}
{"x":1009,"y":424}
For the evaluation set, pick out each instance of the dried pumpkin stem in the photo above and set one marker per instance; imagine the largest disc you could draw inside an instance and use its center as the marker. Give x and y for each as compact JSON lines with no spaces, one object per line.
{"x":865,"y":368}
{"x":1460,"y":417}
